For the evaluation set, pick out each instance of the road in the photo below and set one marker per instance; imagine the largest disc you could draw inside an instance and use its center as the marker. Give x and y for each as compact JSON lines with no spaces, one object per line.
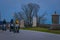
{"x":28,"y":35}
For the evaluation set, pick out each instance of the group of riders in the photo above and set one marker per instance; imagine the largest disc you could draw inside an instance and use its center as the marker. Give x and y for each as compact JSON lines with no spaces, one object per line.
{"x":14,"y":27}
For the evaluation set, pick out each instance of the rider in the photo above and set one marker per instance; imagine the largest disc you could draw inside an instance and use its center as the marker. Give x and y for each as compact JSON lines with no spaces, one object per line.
{"x":11,"y":25}
{"x":17,"y":26}
{"x":4,"y":25}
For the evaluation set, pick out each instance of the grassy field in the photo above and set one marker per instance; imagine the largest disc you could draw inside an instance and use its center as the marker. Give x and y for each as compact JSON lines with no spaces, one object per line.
{"x":42,"y":30}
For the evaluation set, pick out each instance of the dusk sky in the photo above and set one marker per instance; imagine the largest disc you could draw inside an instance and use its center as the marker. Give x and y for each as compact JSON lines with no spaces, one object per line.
{"x":8,"y":7}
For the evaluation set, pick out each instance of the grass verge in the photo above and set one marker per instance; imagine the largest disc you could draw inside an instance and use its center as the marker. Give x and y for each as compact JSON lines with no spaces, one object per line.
{"x":42,"y":30}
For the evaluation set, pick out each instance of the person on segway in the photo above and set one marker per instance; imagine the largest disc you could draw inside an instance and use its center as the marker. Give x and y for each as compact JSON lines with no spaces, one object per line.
{"x":11,"y":25}
{"x":17,"y":27}
{"x":1,"y":23}
{"x":4,"y":25}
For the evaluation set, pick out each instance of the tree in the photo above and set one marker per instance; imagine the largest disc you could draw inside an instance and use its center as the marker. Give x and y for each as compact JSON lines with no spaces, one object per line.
{"x":42,"y":18}
{"x":4,"y":21}
{"x":16,"y":17}
{"x":11,"y":21}
{"x":29,"y":11}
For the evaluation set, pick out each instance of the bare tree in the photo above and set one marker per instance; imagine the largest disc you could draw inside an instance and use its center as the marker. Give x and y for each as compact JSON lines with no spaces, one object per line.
{"x":42,"y":18}
{"x":30,"y":10}
{"x":27,"y":13}
{"x":15,"y":17}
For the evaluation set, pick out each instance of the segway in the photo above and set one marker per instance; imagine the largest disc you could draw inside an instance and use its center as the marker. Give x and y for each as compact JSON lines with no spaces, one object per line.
{"x":11,"y":27}
{"x":16,"y":29}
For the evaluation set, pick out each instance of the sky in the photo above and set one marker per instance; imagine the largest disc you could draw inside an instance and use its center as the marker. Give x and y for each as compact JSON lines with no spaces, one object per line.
{"x":8,"y":7}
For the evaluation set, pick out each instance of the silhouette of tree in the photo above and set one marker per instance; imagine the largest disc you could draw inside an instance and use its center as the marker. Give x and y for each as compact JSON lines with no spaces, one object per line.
{"x":4,"y":21}
{"x":11,"y":21}
{"x":42,"y":18}
{"x":28,"y":11}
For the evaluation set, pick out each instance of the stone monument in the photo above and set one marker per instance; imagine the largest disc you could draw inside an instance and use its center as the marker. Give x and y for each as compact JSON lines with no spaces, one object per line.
{"x":55,"y":21}
{"x":34,"y":22}
{"x":22,"y":24}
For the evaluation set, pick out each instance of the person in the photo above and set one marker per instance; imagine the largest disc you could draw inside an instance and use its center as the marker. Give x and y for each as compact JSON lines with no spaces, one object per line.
{"x":11,"y":25}
{"x":1,"y":23}
{"x":17,"y":27}
{"x":4,"y":25}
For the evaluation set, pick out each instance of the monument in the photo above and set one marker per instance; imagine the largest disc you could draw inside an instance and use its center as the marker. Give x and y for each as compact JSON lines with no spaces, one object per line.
{"x":55,"y":21}
{"x":34,"y":22}
{"x":22,"y":24}
{"x":55,"y":18}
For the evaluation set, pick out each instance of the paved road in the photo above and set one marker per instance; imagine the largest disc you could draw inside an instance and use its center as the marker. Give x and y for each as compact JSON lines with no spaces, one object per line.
{"x":28,"y":35}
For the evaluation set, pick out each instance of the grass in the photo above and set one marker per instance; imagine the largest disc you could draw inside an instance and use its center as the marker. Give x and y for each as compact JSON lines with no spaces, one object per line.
{"x":42,"y":30}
